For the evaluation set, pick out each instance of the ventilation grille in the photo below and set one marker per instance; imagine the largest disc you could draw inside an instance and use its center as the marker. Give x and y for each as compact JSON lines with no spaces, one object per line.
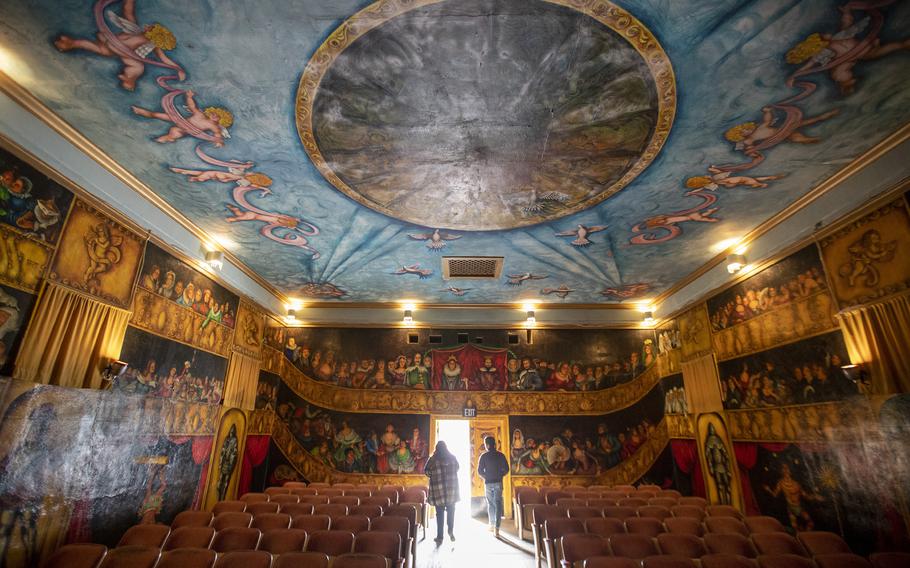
{"x":471,"y":267}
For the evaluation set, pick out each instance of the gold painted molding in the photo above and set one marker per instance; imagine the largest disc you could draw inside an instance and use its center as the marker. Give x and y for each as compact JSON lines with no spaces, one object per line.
{"x":680,"y":425}
{"x":261,"y":422}
{"x":852,"y":420}
{"x":420,"y":401}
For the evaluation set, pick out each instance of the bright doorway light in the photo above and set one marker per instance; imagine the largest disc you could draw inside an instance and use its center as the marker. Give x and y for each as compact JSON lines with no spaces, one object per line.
{"x":457,"y":436}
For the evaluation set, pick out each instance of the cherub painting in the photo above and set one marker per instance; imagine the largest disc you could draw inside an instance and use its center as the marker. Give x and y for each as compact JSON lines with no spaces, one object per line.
{"x":210,"y":124}
{"x":234,"y":172}
{"x":717,"y":178}
{"x":135,"y":45}
{"x":750,"y":137}
{"x":103,"y":250}
{"x":865,"y":252}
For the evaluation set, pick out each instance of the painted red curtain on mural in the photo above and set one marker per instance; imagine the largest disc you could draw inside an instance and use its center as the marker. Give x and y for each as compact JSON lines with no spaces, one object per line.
{"x":471,"y":359}
{"x":257,"y":448}
{"x":685,"y":455}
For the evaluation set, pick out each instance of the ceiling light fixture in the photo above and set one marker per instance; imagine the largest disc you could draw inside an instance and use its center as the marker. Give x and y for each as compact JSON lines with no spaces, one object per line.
{"x":408,"y":318}
{"x":735,"y":262}
{"x":215,"y":259}
{"x":649,"y":318}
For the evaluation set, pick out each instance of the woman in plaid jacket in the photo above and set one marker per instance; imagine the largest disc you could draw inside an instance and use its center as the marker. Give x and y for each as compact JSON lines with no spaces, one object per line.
{"x":442,"y":469}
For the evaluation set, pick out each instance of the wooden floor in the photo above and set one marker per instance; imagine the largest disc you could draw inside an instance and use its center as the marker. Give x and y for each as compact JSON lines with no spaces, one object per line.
{"x":475,"y":547}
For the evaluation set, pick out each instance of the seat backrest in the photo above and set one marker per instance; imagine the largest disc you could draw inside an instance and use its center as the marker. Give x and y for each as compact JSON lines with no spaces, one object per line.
{"x":254,"y":497}
{"x":601,"y":502}
{"x":304,"y":491}
{"x":384,"y":543}
{"x":360,"y":493}
{"x":378,"y":501}
{"x":414,"y":495}
{"x":403,"y":510}
{"x":270,"y":491}
{"x":644,"y":494}
{"x":398,"y":525}
{"x":841,"y":560}
{"x":686,"y":545}
{"x":354,"y":523}
{"x":627,"y":489}
{"x":192,"y":519}
{"x":585,"y":512}
{"x":567,"y":502}
{"x":391,"y":494}
{"x":272,"y":521}
{"x":730,"y":543}
{"x":669,"y":493}
{"x":605,"y":527}
{"x":693,"y":501}
{"x":823,"y":542}
{"x":587,"y":495}
{"x":723,"y":511}
{"x":229,"y":520}
{"x":726,"y":525}
{"x":644,"y":525}
{"x":684,"y":525}
{"x":331,"y":509}
{"x":633,"y":502}
{"x":784,"y":561}
{"x":688,"y":511}
{"x":763,"y":524}
{"x":668,"y":561}
{"x":295,"y":484}
{"x":343,"y":486}
{"x":540,"y":513}
{"x":721,"y":560}
{"x":553,"y":496}
{"x":333,"y":543}
{"x":578,"y":546}
{"x":371,"y":511}
{"x":311,"y":523}
{"x":331,"y":492}
{"x":189,"y":537}
{"x":555,"y":528}
{"x":193,"y":557}
{"x":620,"y":512}
{"x":654,"y":511}
{"x":315,"y":499}
{"x":76,"y":556}
{"x":263,"y":507}
{"x":131,"y":556}
{"x":294,"y":509}
{"x":319,"y":485}
{"x":613,"y":495}
{"x":280,"y":541}
{"x":777,"y":543}
{"x":244,"y":559}
{"x":302,"y":560}
{"x":284,"y":499}
{"x":236,"y":538}
{"x":665,"y":502}
{"x":648,"y":487}
{"x":636,"y":546}
{"x":145,"y":535}
{"x":229,"y":507}
{"x":360,"y":561}
{"x":610,"y":562}
{"x":347,"y":500}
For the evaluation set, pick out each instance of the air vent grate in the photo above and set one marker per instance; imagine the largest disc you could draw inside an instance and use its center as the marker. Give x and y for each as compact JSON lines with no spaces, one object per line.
{"x":471,"y":267}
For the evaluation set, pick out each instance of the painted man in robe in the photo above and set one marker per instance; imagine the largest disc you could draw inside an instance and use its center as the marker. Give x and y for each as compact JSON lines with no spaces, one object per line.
{"x":487,"y":376}
{"x":451,"y":374}
{"x":418,"y":375}
{"x":528,"y":377}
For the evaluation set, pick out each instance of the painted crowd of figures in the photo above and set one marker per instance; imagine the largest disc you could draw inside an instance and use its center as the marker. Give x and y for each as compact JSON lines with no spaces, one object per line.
{"x":757,"y":300}
{"x":416,"y":370}
{"x":339,"y":446}
{"x":23,"y":208}
{"x":174,"y":384}
{"x":201,"y":300}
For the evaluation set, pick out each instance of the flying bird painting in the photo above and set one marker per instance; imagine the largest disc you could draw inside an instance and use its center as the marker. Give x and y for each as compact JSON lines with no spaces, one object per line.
{"x":423,"y":273}
{"x":517,"y":279}
{"x":457,"y":291}
{"x":434,"y":240}
{"x":581,"y":234}
{"x":562,"y":291}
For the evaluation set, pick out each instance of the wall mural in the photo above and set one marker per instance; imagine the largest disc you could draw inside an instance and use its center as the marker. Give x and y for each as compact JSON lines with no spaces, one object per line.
{"x":779,"y":304}
{"x":582,"y":445}
{"x":558,"y":360}
{"x":149,"y":96}
{"x":168,"y":369}
{"x":15,"y":310}
{"x":674,"y":394}
{"x":97,"y":255}
{"x":357,"y":443}
{"x":175,"y":301}
{"x":804,"y":372}
{"x":718,"y":462}
{"x":72,"y":470}
{"x":30,"y":201}
{"x":867,"y":258}
{"x":267,"y":391}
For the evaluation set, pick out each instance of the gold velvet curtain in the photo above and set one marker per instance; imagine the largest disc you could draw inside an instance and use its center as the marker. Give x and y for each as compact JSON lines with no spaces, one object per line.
{"x":69,"y":338}
{"x":702,"y":384}
{"x":241,"y":382}
{"x":878,"y":335}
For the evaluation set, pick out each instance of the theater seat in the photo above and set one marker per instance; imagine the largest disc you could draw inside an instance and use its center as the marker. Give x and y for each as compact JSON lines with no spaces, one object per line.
{"x":77,"y":556}
{"x":763,"y":524}
{"x":370,"y":511}
{"x":145,"y":535}
{"x":577,"y":547}
{"x":189,"y":537}
{"x":668,"y":561}
{"x":254,"y":497}
{"x":192,"y":519}
{"x":584,"y":513}
{"x":777,"y":543}
{"x":230,"y":520}
{"x":229,"y":507}
{"x":610,"y":562}
{"x":360,"y":561}
{"x":730,"y":543}
{"x":684,"y":525}
{"x":823,"y":542}
{"x":281,"y":541}
{"x":654,"y":511}
{"x":271,"y":521}
{"x":686,"y":545}
{"x":646,"y":526}
{"x":620,"y":512}
{"x":726,"y":525}
{"x":284,"y":499}
{"x":727,"y":561}
{"x":723,"y":511}
{"x":333,"y":543}
{"x":384,"y":543}
{"x":690,"y":511}
{"x":636,"y":546}
{"x":302,"y":560}
{"x":837,"y":560}
{"x":354,"y":523}
{"x":604,"y":527}
{"x":294,"y":509}
{"x":312,"y":523}
{"x":187,"y":558}
{"x":131,"y":556}
{"x":336,"y":510}
{"x":784,"y":561}
{"x":236,"y":538}
{"x":244,"y":559}
{"x":693,"y":501}
{"x":262,"y":508}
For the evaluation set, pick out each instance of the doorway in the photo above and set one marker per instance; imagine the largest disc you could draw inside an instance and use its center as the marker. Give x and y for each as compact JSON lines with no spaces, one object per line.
{"x":457,"y":436}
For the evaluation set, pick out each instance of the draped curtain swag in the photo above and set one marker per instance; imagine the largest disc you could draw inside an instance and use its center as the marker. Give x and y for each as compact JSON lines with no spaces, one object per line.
{"x":242,"y":381}
{"x":878,"y":335}
{"x":69,"y":339}
{"x":702,"y":384}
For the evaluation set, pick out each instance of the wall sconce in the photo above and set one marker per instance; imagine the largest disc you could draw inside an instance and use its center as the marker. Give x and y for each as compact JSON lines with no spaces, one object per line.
{"x":408,"y":318}
{"x":735,"y":263}
{"x":649,"y":318}
{"x":291,"y":316}
{"x":114,"y":370}
{"x":215,"y":259}
{"x":532,"y":319}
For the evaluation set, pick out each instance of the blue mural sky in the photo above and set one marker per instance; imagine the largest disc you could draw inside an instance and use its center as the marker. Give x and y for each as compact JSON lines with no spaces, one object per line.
{"x":729,"y":62}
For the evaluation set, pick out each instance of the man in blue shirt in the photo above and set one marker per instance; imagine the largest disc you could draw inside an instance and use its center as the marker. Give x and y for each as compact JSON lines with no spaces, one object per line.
{"x":492,"y":467}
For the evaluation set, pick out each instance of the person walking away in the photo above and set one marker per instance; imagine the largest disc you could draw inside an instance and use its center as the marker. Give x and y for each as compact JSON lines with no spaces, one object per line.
{"x":442,"y":469}
{"x":492,"y":467}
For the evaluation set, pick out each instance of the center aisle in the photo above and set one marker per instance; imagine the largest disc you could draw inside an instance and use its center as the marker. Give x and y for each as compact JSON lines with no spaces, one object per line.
{"x":474,"y":547}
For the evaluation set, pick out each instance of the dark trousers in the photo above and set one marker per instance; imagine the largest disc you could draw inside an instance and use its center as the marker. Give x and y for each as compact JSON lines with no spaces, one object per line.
{"x":445,"y":513}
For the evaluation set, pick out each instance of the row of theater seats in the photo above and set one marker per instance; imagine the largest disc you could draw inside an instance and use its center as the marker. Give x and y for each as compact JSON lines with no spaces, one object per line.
{"x":98,"y":556}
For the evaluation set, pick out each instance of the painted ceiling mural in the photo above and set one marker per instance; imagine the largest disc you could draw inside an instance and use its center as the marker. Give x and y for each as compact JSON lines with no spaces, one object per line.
{"x":346,"y":146}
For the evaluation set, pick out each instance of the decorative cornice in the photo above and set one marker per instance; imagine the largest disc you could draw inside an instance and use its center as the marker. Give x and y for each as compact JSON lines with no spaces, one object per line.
{"x":852,"y":420}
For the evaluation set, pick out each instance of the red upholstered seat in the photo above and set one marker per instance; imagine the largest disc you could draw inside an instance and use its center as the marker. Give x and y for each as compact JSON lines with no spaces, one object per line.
{"x":605,"y":527}
{"x":668,"y":561}
{"x":600,"y":503}
{"x":633,"y":502}
{"x":229,"y":507}
{"x":841,"y":560}
{"x":378,"y":501}
{"x":763,"y":524}
{"x":553,"y":497}
{"x":302,"y":560}
{"x":391,"y":494}
{"x":684,"y":525}
{"x":627,"y":489}
{"x":693,"y":501}
{"x":823,"y":542}
{"x":415,"y":494}
{"x":613,"y":495}
{"x":777,"y":543}
{"x":669,"y":493}
{"x":236,"y":538}
{"x":244,"y":559}
{"x":654,"y":511}
{"x":343,"y":486}
{"x":254,"y":497}
{"x":281,"y":541}
{"x":620,"y":512}
{"x":399,"y":525}
{"x":333,"y":543}
{"x":354,"y":523}
{"x":584,"y":512}
{"x":727,"y":561}
{"x":610,"y":562}
{"x":189,"y":537}
{"x":645,"y":526}
{"x":553,"y":530}
{"x":336,"y":510}
{"x":262,"y":508}
{"x":315,"y":499}
{"x":369,"y":511}
{"x":730,"y":543}
{"x":229,"y":520}
{"x":784,"y":561}
{"x":890,"y":559}
{"x":636,"y":546}
{"x":359,"y":492}
{"x":272,"y":521}
{"x":284,"y":499}
{"x":295,"y":484}
{"x":77,"y":556}
{"x":271,"y":491}
{"x":686,"y":545}
{"x":726,"y":525}
{"x":192,"y":519}
{"x":360,"y":561}
{"x":304,"y":491}
{"x":599,"y":488}
{"x":384,"y":543}
{"x":691,"y":511}
{"x":131,"y":556}
{"x":187,"y":558}
{"x":662,"y":502}
{"x":311,"y":523}
{"x":331,"y":492}
{"x":576,"y":547}
{"x":723,"y":511}
{"x":294,"y":509}
{"x":567,"y":502}
{"x":319,"y":485}
{"x":145,"y":535}
{"x":346,"y":500}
